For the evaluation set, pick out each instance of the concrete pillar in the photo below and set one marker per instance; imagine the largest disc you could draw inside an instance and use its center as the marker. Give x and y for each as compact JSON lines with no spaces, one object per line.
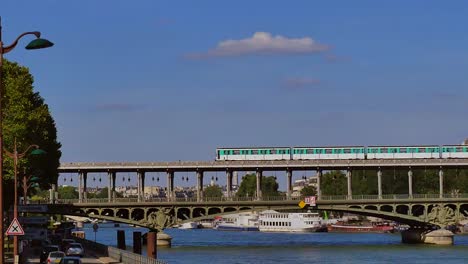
{"x":199,"y":186}
{"x":229,"y":183}
{"x":350,"y":190}
{"x":288,"y":183}
{"x":235,"y":178}
{"x":80,"y":187}
{"x":141,"y":185}
{"x":441,"y":183}
{"x":170,"y":185}
{"x":114,"y":175}
{"x":85,"y":184}
{"x":319,"y":179}
{"x":259,"y":184}
{"x":110,"y":187}
{"x":410,"y":183}
{"x":379,"y":183}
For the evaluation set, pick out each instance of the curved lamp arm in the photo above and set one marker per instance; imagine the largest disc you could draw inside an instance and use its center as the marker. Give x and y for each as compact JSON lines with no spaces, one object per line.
{"x":20,"y":155}
{"x":7,"y":49}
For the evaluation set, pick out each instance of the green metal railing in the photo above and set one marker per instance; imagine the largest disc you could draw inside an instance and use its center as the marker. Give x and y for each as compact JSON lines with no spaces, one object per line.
{"x":264,"y":199}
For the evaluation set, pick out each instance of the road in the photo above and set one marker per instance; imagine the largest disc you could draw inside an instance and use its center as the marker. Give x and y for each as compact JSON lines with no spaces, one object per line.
{"x":32,"y":255}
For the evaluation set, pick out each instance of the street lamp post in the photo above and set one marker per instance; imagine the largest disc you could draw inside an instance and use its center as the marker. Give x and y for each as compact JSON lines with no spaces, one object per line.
{"x":17,"y":156}
{"x":37,"y":43}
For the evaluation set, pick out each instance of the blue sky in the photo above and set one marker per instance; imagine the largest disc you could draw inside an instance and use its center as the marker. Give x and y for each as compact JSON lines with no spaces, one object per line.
{"x":173,"y":80}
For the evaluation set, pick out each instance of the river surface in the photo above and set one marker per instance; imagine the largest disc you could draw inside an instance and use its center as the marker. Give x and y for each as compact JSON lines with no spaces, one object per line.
{"x":211,"y":246}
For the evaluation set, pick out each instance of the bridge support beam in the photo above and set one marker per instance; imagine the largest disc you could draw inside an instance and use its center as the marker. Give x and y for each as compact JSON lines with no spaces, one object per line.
{"x":259,"y":185}
{"x":288,"y":182}
{"x":170,"y":185}
{"x":199,"y":186}
{"x":441,"y":183}
{"x":350,"y":190}
{"x":379,"y":183}
{"x":410,"y":183}
{"x":111,"y":190}
{"x":80,"y":187}
{"x":140,"y":185}
{"x":229,"y":183}
{"x":83,"y":183}
{"x":319,"y":179}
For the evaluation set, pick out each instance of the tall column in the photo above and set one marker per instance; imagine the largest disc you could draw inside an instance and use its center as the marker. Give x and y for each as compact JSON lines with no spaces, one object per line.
{"x":170,"y":185}
{"x":441,"y":183}
{"x":199,"y":186}
{"x":142,"y":186}
{"x":379,"y":182}
{"x":114,"y":175}
{"x":350,"y":190}
{"x":410,"y":183}
{"x":80,"y":187}
{"x":229,"y":183}
{"x":85,"y":184}
{"x":110,"y":187}
{"x":259,"y":184}
{"x":319,"y":180}
{"x":235,"y":178}
{"x":288,"y":183}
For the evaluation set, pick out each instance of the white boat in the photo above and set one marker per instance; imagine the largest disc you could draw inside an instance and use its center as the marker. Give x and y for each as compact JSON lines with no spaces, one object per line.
{"x":189,"y":225}
{"x":237,"y":222}
{"x":273,"y":221}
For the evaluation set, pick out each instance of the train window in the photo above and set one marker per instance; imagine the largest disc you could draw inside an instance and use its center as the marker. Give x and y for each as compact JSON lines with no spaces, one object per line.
{"x":459,"y":149}
{"x":347,"y":151}
{"x":403,"y":150}
{"x":328,"y":151}
{"x":236,"y":152}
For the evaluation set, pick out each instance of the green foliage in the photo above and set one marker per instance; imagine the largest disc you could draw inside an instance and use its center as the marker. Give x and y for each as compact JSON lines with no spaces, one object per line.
{"x":213,"y":191}
{"x":334,"y":183}
{"x":27,"y":119}
{"x":248,"y":186}
{"x":308,"y":191}
{"x":67,"y":192}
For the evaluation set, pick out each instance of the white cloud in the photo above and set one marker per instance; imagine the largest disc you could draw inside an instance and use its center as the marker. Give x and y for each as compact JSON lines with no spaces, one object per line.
{"x":263,"y":43}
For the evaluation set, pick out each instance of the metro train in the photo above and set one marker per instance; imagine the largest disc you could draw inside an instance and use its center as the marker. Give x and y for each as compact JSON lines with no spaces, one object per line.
{"x":350,"y":152}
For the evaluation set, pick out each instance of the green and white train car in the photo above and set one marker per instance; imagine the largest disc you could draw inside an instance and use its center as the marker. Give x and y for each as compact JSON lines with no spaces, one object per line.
{"x":403,"y":152}
{"x":307,"y":153}
{"x":267,"y":153}
{"x":454,"y":151}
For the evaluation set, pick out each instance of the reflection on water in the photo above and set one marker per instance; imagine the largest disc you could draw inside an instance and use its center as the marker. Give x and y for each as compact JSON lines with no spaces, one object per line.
{"x":211,"y":246}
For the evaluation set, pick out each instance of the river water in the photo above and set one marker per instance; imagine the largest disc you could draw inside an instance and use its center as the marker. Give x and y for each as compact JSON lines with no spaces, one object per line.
{"x":211,"y":246}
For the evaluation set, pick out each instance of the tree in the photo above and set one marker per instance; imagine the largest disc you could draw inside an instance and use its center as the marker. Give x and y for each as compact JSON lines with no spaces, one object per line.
{"x":27,"y":119}
{"x":213,"y":191}
{"x":308,"y":191}
{"x":334,"y":183}
{"x":67,"y":192}
{"x":248,"y":186}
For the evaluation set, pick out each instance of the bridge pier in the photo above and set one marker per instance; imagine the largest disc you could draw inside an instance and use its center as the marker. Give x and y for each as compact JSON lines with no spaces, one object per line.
{"x":141,"y":185}
{"x":229,"y":183}
{"x":319,"y":178}
{"x":350,"y":190}
{"x":170,"y":185}
{"x":199,"y":186}
{"x":441,"y":183}
{"x":422,"y":236}
{"x":111,"y":190}
{"x":85,"y":184}
{"x":259,"y":184}
{"x":410,"y":183}
{"x":288,"y":182}
{"x":379,"y":183}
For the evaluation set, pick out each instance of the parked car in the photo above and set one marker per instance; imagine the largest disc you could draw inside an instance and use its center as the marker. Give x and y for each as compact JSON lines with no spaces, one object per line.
{"x":70,"y":260}
{"x":55,"y":257}
{"x":75,"y":249}
{"x":45,"y":252}
{"x":65,"y":243}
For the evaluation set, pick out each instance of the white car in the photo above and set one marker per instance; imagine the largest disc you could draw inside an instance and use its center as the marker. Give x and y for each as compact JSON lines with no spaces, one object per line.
{"x":75,"y":249}
{"x":55,"y":257}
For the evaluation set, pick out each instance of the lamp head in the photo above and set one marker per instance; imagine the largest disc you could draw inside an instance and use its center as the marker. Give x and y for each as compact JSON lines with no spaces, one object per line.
{"x":39,"y":43}
{"x":38,"y":152}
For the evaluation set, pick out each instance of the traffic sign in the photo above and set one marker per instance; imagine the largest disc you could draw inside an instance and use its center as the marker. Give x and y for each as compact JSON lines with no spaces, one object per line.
{"x":302,"y":204}
{"x":15,"y":229}
{"x":310,"y":200}
{"x":95,"y":227}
